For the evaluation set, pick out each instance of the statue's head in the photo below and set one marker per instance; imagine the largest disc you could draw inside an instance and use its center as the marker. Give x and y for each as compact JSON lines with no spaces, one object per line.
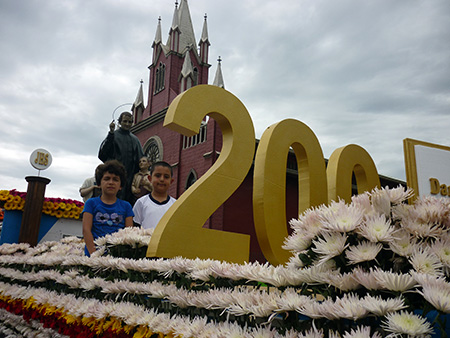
{"x":126,"y":120}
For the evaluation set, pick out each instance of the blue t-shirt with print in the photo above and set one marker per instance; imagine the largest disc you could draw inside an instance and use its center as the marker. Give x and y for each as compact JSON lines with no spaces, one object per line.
{"x":107,"y":218}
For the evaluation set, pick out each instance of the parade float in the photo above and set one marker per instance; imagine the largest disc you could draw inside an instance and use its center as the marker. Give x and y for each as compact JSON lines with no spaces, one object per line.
{"x":374,"y":264}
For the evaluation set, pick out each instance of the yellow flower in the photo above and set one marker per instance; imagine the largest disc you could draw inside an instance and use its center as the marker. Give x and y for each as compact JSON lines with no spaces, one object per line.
{"x":89,"y":321}
{"x":4,"y":195}
{"x":10,"y":198}
{"x":29,"y":303}
{"x":117,"y":325}
{"x":128,"y":328}
{"x":71,"y":319}
{"x":59,"y":213}
{"x":8,"y":206}
{"x":50,"y":310}
{"x":142,"y":332}
{"x":17,"y":199}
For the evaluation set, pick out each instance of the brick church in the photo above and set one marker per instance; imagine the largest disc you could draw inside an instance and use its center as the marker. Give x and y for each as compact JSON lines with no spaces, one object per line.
{"x":177,"y":65}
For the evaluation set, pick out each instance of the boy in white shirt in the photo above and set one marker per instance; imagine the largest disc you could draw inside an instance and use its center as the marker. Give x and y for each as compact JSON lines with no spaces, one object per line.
{"x":149,"y":209}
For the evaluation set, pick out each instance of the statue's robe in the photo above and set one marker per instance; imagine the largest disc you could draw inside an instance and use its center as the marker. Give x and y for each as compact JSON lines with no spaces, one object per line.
{"x":125,"y":147}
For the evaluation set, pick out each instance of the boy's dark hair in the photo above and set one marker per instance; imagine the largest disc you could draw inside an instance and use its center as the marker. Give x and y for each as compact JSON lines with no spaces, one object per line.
{"x":125,"y":113}
{"x":112,"y":167}
{"x":161,"y":164}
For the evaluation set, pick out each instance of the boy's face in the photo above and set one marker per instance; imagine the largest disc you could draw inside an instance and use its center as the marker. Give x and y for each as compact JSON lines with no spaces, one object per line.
{"x":110,"y":184}
{"x":161,"y":179}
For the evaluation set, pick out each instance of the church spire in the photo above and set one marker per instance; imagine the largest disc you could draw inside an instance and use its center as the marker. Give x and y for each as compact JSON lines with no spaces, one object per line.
{"x":138,"y":106}
{"x":204,"y":43}
{"x":157,"y":43}
{"x":218,"y":79}
{"x":174,"y":33}
{"x":158,"y":35}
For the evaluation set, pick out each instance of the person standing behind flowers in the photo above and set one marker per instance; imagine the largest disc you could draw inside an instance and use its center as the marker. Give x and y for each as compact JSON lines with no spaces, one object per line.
{"x":89,"y":189}
{"x":141,"y":185}
{"x":106,"y":214}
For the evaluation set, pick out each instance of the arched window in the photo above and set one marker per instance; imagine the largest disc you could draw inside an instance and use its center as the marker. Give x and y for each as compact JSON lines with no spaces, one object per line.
{"x":160,"y":77}
{"x":195,"y":76}
{"x":192,"y":177}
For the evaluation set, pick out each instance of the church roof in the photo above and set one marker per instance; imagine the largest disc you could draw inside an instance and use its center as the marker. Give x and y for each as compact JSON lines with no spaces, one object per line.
{"x":218,"y":79}
{"x":182,"y":21}
{"x":139,"y":98}
{"x":187,"y":65}
{"x":204,"y":37}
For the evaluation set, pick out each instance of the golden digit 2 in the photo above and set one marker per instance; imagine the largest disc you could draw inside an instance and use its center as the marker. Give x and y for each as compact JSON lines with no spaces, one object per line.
{"x":180,"y":232}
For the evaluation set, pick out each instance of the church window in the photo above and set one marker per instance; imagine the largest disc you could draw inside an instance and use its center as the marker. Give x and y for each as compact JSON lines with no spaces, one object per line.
{"x":192,"y":141}
{"x":160,"y":77}
{"x":195,"y":76}
{"x":153,"y":149}
{"x":192,"y":177}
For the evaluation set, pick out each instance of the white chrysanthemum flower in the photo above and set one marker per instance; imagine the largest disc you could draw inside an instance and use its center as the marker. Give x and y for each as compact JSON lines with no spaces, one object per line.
{"x":406,"y":323}
{"x":394,"y":281}
{"x":364,"y":251}
{"x":290,"y":300}
{"x":345,"y":219}
{"x":360,"y":332}
{"x":441,"y":249}
{"x":366,"y":279}
{"x":399,"y":194}
{"x":298,"y":241}
{"x":315,"y":309}
{"x":295,"y":263}
{"x":309,"y":222}
{"x":311,"y":333}
{"x":432,"y":210}
{"x":263,"y":332}
{"x":381,"y":201}
{"x":344,"y":282}
{"x":425,"y":261}
{"x":435,"y":289}
{"x":330,"y":245}
{"x":380,"y":307}
{"x":377,"y":229}
{"x":350,"y":306}
{"x":421,"y":229}
{"x":403,"y":244}
{"x":363,"y":201}
{"x":309,"y":275}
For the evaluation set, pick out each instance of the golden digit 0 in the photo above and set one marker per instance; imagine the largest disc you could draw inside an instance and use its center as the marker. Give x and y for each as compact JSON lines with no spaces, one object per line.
{"x":269,"y":183}
{"x":180,"y":232}
{"x":342,"y":164}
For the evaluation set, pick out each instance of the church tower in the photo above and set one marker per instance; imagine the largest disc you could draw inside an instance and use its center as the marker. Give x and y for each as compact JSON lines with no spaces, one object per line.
{"x":178,"y":64}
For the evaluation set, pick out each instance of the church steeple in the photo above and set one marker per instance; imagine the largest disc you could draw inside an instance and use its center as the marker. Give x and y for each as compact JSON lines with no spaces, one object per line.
{"x":178,"y":64}
{"x":204,"y":43}
{"x":174,"y":34}
{"x":157,"y":43}
{"x":138,"y":106}
{"x":218,"y":79}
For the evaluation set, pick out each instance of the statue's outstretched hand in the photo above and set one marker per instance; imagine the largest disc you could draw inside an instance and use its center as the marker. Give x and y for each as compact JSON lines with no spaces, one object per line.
{"x":112,"y":127}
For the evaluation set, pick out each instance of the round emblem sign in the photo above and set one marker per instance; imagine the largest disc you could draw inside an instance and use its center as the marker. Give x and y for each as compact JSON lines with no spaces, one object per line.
{"x":41,"y":159}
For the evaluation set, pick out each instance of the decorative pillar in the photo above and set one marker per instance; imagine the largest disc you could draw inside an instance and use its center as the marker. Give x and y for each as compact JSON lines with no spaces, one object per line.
{"x":32,"y":212}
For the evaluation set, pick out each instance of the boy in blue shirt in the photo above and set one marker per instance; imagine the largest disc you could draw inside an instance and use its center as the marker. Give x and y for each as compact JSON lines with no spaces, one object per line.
{"x":106,"y":214}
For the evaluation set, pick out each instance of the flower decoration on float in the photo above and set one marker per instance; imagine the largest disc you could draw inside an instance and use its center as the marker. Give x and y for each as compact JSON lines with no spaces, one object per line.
{"x":376,"y":267}
{"x":58,"y":207}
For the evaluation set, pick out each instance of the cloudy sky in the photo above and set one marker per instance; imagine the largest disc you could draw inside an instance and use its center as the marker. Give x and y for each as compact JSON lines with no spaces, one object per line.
{"x":364,"y":72}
